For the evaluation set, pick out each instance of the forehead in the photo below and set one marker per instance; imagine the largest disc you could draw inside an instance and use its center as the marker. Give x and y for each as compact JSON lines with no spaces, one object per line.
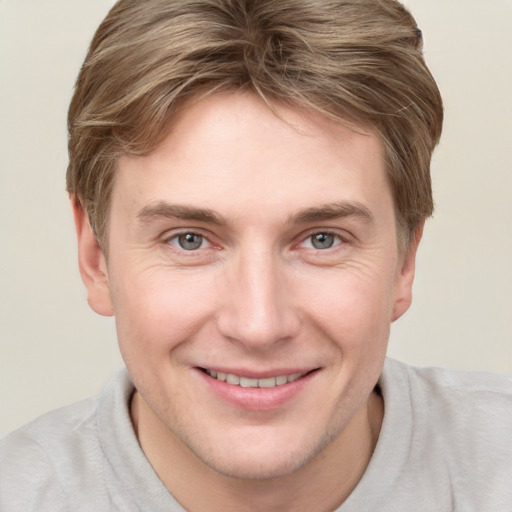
{"x":231,"y":151}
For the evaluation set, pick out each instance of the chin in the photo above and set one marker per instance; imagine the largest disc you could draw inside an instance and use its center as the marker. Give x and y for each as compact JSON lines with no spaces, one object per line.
{"x":256,"y":469}
{"x":263,"y":462}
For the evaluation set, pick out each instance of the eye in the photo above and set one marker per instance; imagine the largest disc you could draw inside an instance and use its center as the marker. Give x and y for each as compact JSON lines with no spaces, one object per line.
{"x":322,"y":241}
{"x":189,"y":241}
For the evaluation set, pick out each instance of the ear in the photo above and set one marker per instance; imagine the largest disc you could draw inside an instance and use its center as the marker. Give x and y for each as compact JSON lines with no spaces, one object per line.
{"x":93,"y":267}
{"x":405,"y":277}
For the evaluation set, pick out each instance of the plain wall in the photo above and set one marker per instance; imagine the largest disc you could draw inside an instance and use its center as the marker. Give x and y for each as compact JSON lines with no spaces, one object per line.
{"x":54,"y":350}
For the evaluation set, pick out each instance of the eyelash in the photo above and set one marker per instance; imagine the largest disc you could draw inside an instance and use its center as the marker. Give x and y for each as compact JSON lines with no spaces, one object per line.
{"x":174,"y":240}
{"x":337,"y":240}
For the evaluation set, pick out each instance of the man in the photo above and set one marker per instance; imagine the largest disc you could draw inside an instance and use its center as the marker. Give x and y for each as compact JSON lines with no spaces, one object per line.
{"x":249,"y":182}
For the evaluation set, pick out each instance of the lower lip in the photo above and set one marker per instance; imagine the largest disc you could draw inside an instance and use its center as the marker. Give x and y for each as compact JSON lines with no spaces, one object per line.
{"x":257,"y":399}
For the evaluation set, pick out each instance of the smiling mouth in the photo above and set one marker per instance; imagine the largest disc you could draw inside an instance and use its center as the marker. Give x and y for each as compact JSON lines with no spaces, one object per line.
{"x":246,"y":382}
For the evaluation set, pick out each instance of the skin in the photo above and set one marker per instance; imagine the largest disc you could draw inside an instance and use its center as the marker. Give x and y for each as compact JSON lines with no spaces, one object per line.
{"x":257,"y":297}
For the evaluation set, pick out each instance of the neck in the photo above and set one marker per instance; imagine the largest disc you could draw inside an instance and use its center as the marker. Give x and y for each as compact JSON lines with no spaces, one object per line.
{"x":322,"y":484}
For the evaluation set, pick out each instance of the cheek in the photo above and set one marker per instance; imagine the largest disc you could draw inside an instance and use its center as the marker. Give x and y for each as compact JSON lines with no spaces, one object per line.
{"x":157,"y":310}
{"x":352,"y":306}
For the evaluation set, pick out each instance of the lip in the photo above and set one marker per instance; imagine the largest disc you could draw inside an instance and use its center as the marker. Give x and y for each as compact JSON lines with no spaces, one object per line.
{"x":257,"y":399}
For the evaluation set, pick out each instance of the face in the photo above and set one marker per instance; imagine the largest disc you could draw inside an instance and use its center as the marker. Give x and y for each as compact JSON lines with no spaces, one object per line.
{"x":253,"y":272}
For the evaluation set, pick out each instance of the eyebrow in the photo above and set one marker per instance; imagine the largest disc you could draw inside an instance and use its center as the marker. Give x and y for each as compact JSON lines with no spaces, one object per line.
{"x":165,"y":210}
{"x":332,"y":211}
{"x":329,"y":211}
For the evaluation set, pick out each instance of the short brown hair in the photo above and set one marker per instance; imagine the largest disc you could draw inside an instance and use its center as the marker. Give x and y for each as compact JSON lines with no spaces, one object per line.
{"x":351,"y":60}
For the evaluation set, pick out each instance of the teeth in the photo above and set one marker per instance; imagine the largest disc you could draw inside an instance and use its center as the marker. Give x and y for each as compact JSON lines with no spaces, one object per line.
{"x":283,"y":379}
{"x":268,"y":383}
{"x":248,"y":383}
{"x":245,"y":382}
{"x":233,"y":379}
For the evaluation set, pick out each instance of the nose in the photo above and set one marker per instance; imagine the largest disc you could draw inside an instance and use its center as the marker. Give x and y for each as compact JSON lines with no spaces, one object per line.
{"x":258,"y":308}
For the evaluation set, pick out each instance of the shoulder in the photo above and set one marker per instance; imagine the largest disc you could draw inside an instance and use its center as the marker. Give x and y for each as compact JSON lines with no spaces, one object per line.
{"x":467,"y":403}
{"x":461,"y":426}
{"x":449,"y":381}
{"x":456,"y":394}
{"x":444,"y":444}
{"x":31,"y":459}
{"x":58,"y":460}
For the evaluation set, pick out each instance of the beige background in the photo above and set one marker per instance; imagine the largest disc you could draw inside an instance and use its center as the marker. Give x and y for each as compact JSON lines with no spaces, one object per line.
{"x":54,"y":350}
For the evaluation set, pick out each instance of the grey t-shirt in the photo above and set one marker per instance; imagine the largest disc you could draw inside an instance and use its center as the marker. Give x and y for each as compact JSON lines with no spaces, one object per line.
{"x":445,"y":445}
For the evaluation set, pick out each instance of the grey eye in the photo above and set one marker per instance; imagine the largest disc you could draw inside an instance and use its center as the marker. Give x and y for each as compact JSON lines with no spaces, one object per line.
{"x":189,"y":241}
{"x":323,"y":240}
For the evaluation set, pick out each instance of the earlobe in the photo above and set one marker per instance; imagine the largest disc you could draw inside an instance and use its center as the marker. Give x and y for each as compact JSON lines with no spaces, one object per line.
{"x":91,"y":261}
{"x":405,"y":277}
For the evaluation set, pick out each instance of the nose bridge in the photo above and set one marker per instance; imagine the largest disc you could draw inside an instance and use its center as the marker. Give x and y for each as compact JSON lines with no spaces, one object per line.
{"x":258,"y":310}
